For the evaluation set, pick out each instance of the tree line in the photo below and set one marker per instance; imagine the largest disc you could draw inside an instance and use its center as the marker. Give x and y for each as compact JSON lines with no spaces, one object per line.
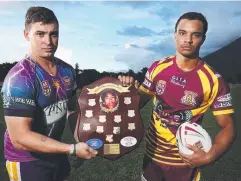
{"x":83,"y":76}
{"x":87,"y":76}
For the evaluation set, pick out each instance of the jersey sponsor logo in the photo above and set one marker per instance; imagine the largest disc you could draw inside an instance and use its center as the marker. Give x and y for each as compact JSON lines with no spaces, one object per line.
{"x":7,"y":100}
{"x":46,"y":88}
{"x":223,"y":104}
{"x":224,"y":98}
{"x":178,"y":81}
{"x":55,"y":111}
{"x":189,"y":98}
{"x":147,"y":83}
{"x":160,"y":87}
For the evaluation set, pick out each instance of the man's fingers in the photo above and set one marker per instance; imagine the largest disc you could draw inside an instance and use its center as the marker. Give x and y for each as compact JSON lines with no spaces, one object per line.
{"x":92,"y":151}
{"x":126,"y":80}
{"x":131,"y":80}
{"x":120,"y":77}
{"x":137,"y":84}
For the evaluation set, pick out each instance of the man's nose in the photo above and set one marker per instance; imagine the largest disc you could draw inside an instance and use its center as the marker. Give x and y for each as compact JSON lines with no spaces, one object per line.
{"x":188,"y":39}
{"x":47,"y":40}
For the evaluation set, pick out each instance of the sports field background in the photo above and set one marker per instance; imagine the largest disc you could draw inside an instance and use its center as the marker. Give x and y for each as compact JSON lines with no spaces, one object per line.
{"x":128,"y":168}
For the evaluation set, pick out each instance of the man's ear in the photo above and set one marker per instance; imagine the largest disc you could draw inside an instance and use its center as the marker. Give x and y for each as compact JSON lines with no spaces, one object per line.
{"x":26,"y":34}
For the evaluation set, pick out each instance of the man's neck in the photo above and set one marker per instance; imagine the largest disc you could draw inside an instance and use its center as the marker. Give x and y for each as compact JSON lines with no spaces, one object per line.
{"x":45,"y":62}
{"x":187,"y":63}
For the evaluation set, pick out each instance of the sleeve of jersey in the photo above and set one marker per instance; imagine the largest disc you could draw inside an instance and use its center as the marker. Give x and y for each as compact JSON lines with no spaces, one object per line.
{"x":18,"y":96}
{"x":72,"y":100}
{"x":222,"y":99}
{"x":148,"y":84}
{"x":74,"y":83}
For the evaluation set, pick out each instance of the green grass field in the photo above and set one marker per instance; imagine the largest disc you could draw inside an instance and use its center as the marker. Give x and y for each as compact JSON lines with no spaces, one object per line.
{"x":128,"y":168}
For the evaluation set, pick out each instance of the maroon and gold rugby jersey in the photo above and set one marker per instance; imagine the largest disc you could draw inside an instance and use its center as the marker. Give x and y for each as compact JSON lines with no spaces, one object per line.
{"x":178,"y":97}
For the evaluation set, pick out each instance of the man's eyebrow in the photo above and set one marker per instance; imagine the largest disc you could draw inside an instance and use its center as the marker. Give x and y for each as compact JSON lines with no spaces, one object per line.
{"x":39,"y":31}
{"x":182,"y":30}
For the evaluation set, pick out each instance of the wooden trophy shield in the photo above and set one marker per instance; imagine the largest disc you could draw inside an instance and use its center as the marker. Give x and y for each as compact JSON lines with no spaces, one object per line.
{"x":109,"y":119}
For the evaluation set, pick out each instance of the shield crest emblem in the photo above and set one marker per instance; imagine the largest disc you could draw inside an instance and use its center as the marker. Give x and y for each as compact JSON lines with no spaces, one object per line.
{"x":117,"y":118}
{"x":131,"y":126}
{"x":116,"y":130}
{"x":91,"y":102}
{"x":127,"y":100}
{"x":100,"y":129}
{"x":88,"y":113}
{"x":86,"y":126}
{"x":114,"y":116}
{"x":131,"y":113}
{"x":102,"y":118}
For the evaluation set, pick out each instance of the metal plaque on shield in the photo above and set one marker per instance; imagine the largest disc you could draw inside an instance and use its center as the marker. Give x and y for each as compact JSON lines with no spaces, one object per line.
{"x":109,"y":118}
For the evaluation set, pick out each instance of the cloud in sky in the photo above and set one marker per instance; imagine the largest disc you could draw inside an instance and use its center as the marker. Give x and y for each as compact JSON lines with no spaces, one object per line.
{"x":136,"y":31}
{"x":118,"y":35}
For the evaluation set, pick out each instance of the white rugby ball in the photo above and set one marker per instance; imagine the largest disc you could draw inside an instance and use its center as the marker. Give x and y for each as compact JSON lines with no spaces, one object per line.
{"x":192,"y":134}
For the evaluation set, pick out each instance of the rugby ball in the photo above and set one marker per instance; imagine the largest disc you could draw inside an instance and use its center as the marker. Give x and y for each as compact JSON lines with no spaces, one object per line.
{"x":192,"y":134}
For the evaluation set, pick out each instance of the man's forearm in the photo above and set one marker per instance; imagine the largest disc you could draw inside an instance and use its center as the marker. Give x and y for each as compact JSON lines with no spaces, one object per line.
{"x":222,"y":142}
{"x":32,"y":141}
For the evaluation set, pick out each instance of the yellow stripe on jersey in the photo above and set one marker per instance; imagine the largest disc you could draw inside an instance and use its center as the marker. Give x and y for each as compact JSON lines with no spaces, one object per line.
{"x":163,"y":132}
{"x":229,"y":111}
{"x":142,"y":88}
{"x":156,"y":142}
{"x":167,"y":163}
{"x":215,"y":86}
{"x":159,"y":68}
{"x":161,"y":156}
{"x":13,"y":169}
{"x":205,"y":85}
{"x":197,"y":176}
{"x":205,"y":106}
{"x":158,"y":150}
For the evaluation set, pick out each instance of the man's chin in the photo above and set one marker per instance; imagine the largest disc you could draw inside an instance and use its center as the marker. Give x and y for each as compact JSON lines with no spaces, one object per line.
{"x":188,"y":54}
{"x":48,"y":55}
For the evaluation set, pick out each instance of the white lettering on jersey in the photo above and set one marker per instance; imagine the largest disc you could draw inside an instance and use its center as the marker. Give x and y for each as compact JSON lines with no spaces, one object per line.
{"x":147,"y":83}
{"x":224,"y":98}
{"x":55,"y":111}
{"x":223,"y":104}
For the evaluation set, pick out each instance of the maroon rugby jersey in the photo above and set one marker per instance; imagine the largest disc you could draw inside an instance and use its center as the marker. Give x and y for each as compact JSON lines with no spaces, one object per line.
{"x":178,"y":97}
